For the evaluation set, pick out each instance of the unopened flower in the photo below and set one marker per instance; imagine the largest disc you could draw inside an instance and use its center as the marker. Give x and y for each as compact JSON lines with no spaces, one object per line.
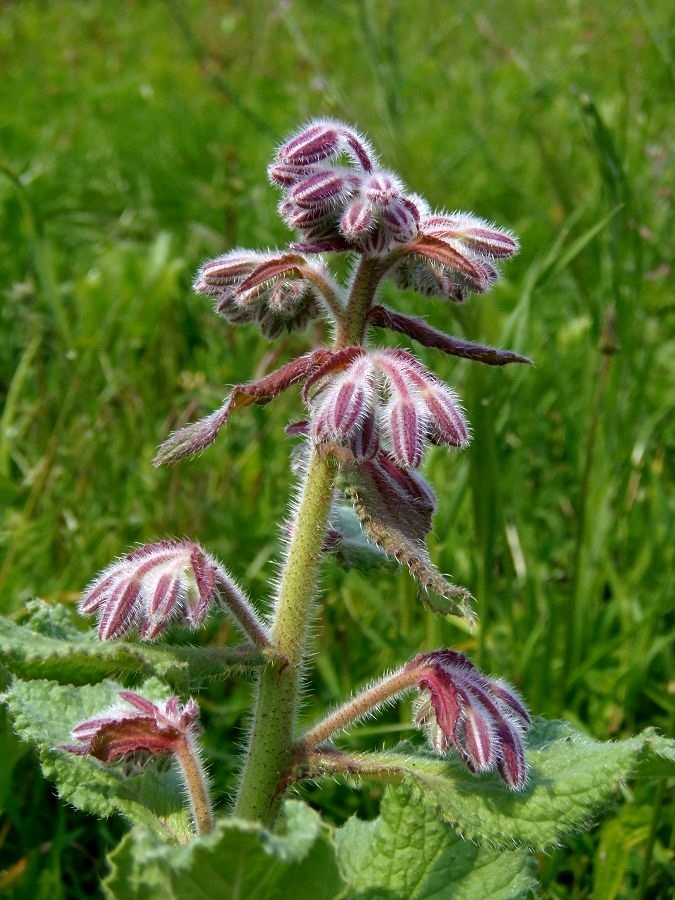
{"x":452,"y":255}
{"x":364,"y":393}
{"x":336,"y":207}
{"x":144,"y":730}
{"x":154,"y":586}
{"x":141,"y":728}
{"x":268,"y":289}
{"x":483,"y":719}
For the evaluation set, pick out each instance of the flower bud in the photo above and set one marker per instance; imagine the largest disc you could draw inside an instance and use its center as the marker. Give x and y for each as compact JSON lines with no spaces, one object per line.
{"x":483,"y":719}
{"x":318,"y":141}
{"x":321,"y":189}
{"x":152,"y":587}
{"x":356,"y":220}
{"x":136,"y":730}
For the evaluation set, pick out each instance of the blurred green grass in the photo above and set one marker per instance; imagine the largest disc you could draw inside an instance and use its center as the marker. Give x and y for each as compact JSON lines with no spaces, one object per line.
{"x":133,"y":143}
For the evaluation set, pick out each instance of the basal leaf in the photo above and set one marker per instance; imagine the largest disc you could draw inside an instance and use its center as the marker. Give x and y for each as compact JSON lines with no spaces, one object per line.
{"x":44,"y":714}
{"x":409,"y":853}
{"x":50,"y":646}
{"x":572,"y":777}
{"x":239,"y":860}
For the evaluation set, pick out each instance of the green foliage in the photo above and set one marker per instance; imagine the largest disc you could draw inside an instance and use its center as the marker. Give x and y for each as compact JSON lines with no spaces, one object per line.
{"x":571,"y":778}
{"x":408,"y":853}
{"x":240,"y":859}
{"x":50,"y":646}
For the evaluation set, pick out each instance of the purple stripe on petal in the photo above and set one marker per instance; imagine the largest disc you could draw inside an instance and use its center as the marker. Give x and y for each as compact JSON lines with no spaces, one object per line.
{"x":119,"y":612}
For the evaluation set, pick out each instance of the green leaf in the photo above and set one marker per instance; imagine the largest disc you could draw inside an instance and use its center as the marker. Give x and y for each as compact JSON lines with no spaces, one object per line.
{"x":572,"y":777}
{"x":239,"y":860}
{"x":50,"y":646}
{"x":408,"y":853}
{"x":44,"y":714}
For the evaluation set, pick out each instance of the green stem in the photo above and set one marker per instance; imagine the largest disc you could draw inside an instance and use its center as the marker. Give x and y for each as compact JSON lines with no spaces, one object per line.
{"x":272,"y":734}
{"x":272,"y":738}
{"x":196,"y":785}
{"x":366,"y":279}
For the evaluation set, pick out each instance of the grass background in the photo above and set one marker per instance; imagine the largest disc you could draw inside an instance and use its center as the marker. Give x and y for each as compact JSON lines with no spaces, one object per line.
{"x":133,"y":143}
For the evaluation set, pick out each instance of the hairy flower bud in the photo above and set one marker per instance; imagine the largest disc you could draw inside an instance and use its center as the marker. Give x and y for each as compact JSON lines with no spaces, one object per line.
{"x":155,"y":585}
{"x":140,"y":728}
{"x":482,"y":719}
{"x":419,"y":406}
{"x":315,"y":143}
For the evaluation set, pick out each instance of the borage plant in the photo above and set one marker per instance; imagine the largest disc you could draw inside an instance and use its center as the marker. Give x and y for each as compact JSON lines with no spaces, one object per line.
{"x":459,"y":818}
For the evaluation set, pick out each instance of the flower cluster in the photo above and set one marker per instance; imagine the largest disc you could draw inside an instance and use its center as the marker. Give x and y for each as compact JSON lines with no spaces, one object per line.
{"x":140,"y":729}
{"x":362,"y":394}
{"x":341,"y":207}
{"x":268,"y":289}
{"x":482,"y":718}
{"x":364,"y":208}
{"x":453,"y":256}
{"x":153,"y":586}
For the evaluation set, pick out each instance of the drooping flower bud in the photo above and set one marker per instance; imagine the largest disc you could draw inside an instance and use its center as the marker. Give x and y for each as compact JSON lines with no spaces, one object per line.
{"x":145,"y":730}
{"x":418,"y":406}
{"x":484,"y":720}
{"x":141,"y":727}
{"x":155,"y":586}
{"x":317,"y":142}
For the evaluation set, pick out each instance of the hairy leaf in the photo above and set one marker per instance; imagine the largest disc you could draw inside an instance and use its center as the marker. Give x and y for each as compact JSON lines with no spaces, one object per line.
{"x":425,"y":334}
{"x":54,"y":648}
{"x":44,"y":714}
{"x":409,"y":853}
{"x":346,"y":540}
{"x":198,"y":435}
{"x":239,"y":860}
{"x":398,"y":522}
{"x":571,"y":777}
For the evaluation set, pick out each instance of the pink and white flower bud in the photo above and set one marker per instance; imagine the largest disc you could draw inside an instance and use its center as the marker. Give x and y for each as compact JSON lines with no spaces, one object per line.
{"x":322,"y":189}
{"x":286,"y":175}
{"x":481,"y":237}
{"x":381,"y":189}
{"x":216,"y":275}
{"x":356,"y":220}
{"x":420,"y":407}
{"x":462,"y":708}
{"x":155,"y":585}
{"x":401,"y":219}
{"x":342,"y":406}
{"x":365,"y":441}
{"x":317,"y":142}
{"x":140,"y":728}
{"x":407,"y":429}
{"x":359,"y":149}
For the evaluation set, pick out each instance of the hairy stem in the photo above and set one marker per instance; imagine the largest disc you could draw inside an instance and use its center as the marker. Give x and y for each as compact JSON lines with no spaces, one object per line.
{"x":272,"y":738}
{"x":272,"y":734}
{"x":361,"y":705}
{"x":196,"y":785}
{"x":366,"y":279}
{"x":243,"y":611}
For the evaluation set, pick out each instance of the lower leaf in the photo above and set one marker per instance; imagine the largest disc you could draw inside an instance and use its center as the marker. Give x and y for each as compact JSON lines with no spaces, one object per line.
{"x":408,"y":853}
{"x":239,"y":860}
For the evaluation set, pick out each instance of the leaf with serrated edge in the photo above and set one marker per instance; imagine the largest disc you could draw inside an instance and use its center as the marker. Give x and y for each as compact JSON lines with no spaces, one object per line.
{"x":408,"y":853}
{"x":239,"y":860}
{"x":571,"y":777}
{"x":44,"y":714}
{"x":400,"y":531}
{"x":49,"y":646}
